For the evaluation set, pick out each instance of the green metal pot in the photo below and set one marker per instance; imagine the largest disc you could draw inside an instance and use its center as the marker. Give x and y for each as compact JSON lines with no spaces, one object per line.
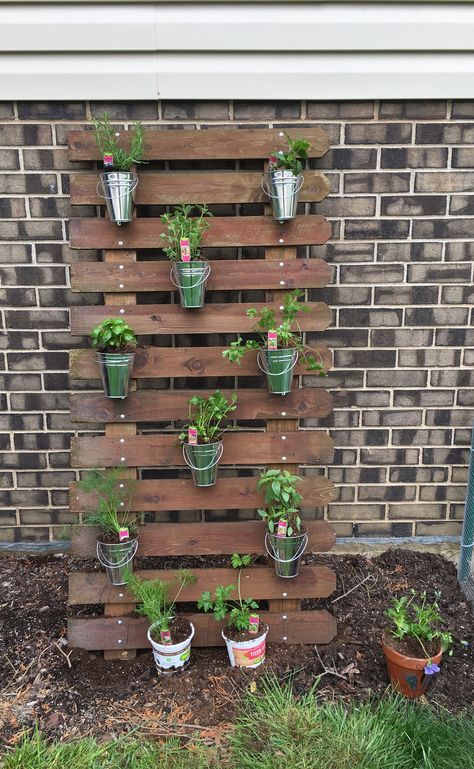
{"x":115,"y":369}
{"x":190,"y":278}
{"x":203,"y":459}
{"x":286,"y":552}
{"x":278,"y":365}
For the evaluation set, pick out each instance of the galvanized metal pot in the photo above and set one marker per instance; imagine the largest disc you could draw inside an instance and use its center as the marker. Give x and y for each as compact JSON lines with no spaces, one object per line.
{"x":117,"y":557}
{"x":190,"y":278}
{"x":286,"y":552}
{"x":117,"y":191}
{"x":115,"y":369}
{"x":283,"y":187}
{"x":203,"y":459}
{"x":278,"y":365}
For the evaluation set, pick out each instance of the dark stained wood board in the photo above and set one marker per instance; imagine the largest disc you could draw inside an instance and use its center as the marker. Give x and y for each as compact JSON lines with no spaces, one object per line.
{"x":159,"y":405}
{"x":225,"y":274}
{"x":223,"y":232}
{"x":213,"y":143}
{"x":182,"y":494}
{"x":155,"y":362}
{"x":259,"y":582}
{"x":202,"y":538}
{"x":173,"y":319}
{"x":302,"y":627}
{"x":162,"y":188}
{"x":240,"y":448}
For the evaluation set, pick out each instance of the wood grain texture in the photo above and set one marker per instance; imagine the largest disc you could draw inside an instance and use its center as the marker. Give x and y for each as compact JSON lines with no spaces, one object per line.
{"x":155,"y":362}
{"x":225,"y":274}
{"x":223,"y":232}
{"x":202,"y":538}
{"x":173,"y":319}
{"x":306,"y":447}
{"x":215,"y":143}
{"x":259,"y":582}
{"x":229,"y":494}
{"x":306,"y":627}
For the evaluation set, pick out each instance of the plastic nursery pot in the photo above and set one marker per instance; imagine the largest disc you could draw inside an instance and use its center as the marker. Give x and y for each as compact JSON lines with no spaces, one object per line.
{"x":203,"y":459}
{"x":190,"y":279}
{"x":283,"y":187}
{"x":407,"y":674}
{"x":246,"y":654}
{"x":117,"y":557}
{"x":286,"y":552}
{"x":115,"y":370}
{"x":117,"y":191}
{"x":279,"y":366}
{"x":170,"y":658}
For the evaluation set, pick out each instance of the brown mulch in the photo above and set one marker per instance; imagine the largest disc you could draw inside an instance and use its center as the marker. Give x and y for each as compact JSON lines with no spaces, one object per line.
{"x":73,"y":692}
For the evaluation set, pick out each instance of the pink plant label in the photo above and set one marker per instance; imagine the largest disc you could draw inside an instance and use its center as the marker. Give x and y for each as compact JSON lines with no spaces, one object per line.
{"x":282,"y":527}
{"x":185,"y":249}
{"x":192,"y":436}
{"x":108,"y":161}
{"x":272,"y":340}
{"x":124,"y":534}
{"x":165,"y":636}
{"x":254,"y":622}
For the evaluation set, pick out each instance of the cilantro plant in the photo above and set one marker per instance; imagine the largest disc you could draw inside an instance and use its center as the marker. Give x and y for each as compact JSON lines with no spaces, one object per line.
{"x":207,"y":415}
{"x":180,"y":224}
{"x":114,"y":497}
{"x":152,"y":596}
{"x":109,"y":144}
{"x":293,"y":159}
{"x":113,"y":335}
{"x":418,"y":619}
{"x":281,"y":499}
{"x":287,"y":337}
{"x":237,"y":612}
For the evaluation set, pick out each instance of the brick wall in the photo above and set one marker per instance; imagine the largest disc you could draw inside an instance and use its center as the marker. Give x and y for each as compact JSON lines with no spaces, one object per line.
{"x":401,"y":206}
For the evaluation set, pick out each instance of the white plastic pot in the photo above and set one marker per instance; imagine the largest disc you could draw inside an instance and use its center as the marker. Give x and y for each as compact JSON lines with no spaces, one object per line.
{"x":246,"y":654}
{"x":171,"y":657}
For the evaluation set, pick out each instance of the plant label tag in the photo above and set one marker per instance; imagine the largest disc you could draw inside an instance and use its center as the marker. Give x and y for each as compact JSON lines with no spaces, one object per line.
{"x":282,"y":527}
{"x":185,"y":249}
{"x":124,"y":534}
{"x":108,"y":161}
{"x":192,"y":436}
{"x":165,"y":636}
{"x":272,"y":340}
{"x":254,"y":622}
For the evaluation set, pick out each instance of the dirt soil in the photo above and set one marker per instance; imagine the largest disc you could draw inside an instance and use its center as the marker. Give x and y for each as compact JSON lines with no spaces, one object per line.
{"x":73,"y":692}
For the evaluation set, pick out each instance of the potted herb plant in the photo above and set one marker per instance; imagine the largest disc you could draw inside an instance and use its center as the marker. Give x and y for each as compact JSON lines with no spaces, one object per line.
{"x":117,"y":180}
{"x":284,"y":178}
{"x":170,"y":634}
{"x":414,"y":645}
{"x":245,"y":633}
{"x":115,"y":343}
{"x":201,"y":438}
{"x":286,"y":538}
{"x":189,"y":272}
{"x":278,"y":346}
{"x":117,"y":542}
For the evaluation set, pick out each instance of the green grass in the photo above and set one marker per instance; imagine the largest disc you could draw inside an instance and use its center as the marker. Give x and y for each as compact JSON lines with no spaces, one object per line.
{"x":276,"y":730}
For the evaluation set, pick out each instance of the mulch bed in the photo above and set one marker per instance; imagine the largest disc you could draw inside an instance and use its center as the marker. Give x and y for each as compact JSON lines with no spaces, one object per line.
{"x":72,"y":693}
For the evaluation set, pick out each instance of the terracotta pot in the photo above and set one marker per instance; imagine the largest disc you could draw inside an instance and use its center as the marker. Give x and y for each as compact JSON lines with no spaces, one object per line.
{"x":407,"y":674}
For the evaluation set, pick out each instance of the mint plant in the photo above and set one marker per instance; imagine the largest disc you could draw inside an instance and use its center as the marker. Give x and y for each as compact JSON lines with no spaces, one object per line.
{"x":293,"y":159}
{"x":113,"y":335}
{"x":152,"y":596}
{"x":109,"y":144}
{"x":418,"y":619}
{"x":237,"y":612}
{"x":180,"y":224}
{"x":114,"y":497}
{"x":207,"y":415}
{"x":281,"y":499}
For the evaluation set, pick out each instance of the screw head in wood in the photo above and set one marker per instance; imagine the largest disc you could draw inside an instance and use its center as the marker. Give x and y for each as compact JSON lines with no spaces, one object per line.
{"x":122,"y":416}
{"x":122,"y":440}
{"x":281,"y":133}
{"x":119,"y":622}
{"x":120,"y":266}
{"x":122,"y":504}
{"x":122,"y":459}
{"x":283,"y":437}
{"x":285,"y":616}
{"x":117,"y":133}
{"x":121,"y":285}
{"x":281,"y":240}
{"x":120,"y":242}
{"x":120,"y":595}
{"x":121,"y":485}
{"x":284,"y":459}
{"x":282,"y":282}
{"x":119,"y":641}
{"x":283,"y":413}
{"x":284,"y":595}
{"x":285,"y":638}
{"x":282,"y":264}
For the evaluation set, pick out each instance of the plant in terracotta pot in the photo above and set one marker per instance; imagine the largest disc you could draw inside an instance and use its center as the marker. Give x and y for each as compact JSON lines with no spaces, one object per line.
{"x":189,"y":271}
{"x":170,"y":634}
{"x":279,"y":345}
{"x":414,"y":644}
{"x":115,"y":344}
{"x":117,"y":180}
{"x":201,"y":438}
{"x":284,"y":178}
{"x":286,"y":538}
{"x":117,"y":542}
{"x":244,"y":633}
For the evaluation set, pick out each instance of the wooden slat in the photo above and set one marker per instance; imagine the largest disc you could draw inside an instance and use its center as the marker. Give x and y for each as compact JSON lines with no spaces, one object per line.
{"x":223,"y":232}
{"x":173,"y":319}
{"x":159,"y":406}
{"x":202,"y":538}
{"x":259,"y":582}
{"x":225,"y":274}
{"x":155,"y":362}
{"x":306,"y":627}
{"x":215,"y":143}
{"x":161,"y":188}
{"x":229,"y":494}
{"x":241,"y":448}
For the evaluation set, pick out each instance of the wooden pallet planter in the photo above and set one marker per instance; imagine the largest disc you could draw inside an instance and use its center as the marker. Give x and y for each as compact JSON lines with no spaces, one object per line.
{"x":281,"y":443}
